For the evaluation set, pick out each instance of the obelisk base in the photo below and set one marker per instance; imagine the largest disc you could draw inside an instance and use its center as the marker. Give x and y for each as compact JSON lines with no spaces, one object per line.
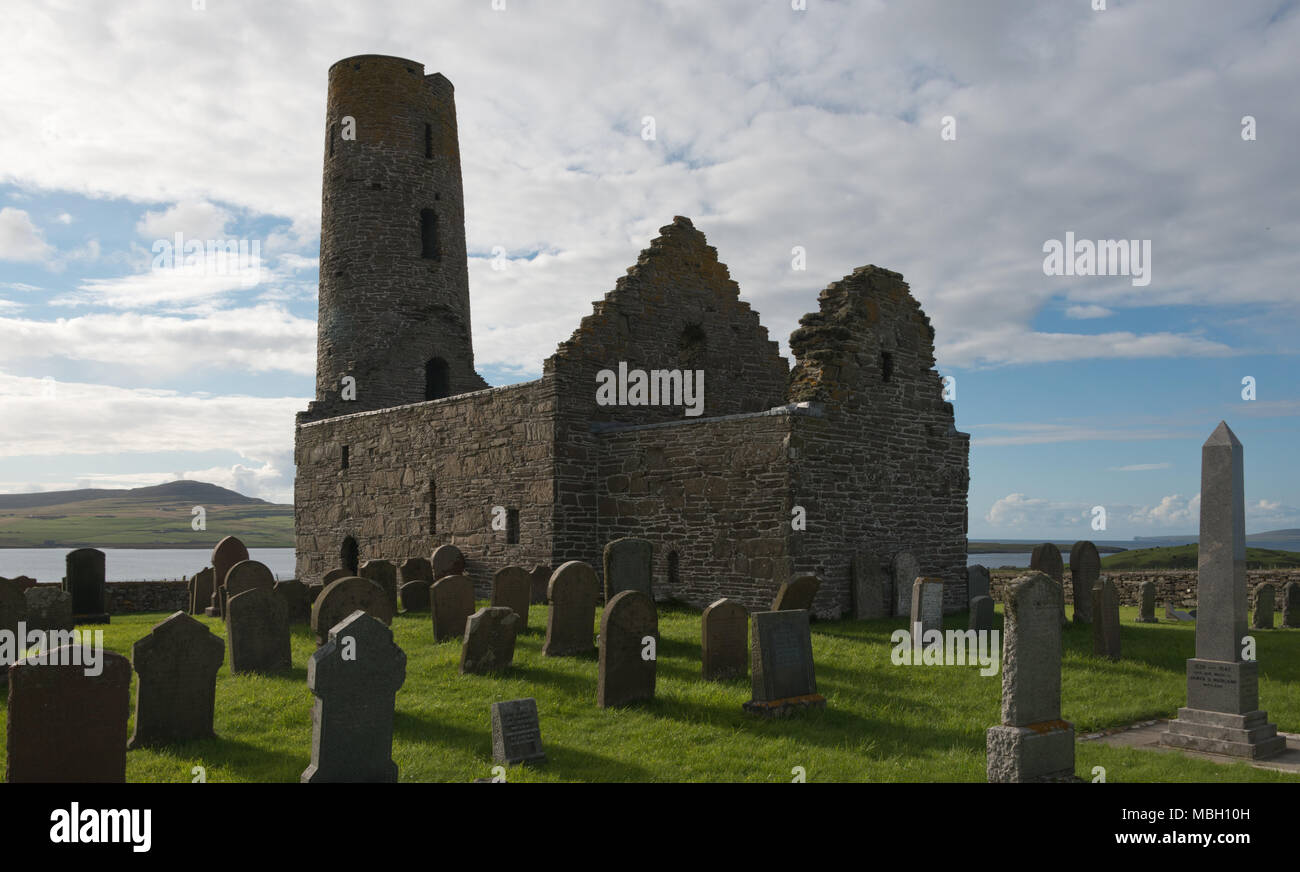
{"x":1248,"y":735}
{"x":1039,"y":752}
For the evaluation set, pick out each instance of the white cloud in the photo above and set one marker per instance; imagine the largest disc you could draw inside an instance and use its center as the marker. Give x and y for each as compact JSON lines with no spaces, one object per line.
{"x":1173,"y":511}
{"x":1085,"y":312}
{"x":20,"y":239}
{"x":194,"y":219}
{"x":64,"y":218}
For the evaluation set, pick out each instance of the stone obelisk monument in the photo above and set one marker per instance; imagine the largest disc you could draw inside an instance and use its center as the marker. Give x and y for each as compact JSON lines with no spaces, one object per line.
{"x":1222,"y":715}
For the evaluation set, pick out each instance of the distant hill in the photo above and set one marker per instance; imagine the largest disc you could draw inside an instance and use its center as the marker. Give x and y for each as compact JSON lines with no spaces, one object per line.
{"x":143,"y":517}
{"x":1186,"y":556}
{"x":1289,"y":537}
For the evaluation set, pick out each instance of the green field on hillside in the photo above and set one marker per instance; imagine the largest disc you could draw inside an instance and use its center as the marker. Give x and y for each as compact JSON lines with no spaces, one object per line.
{"x":124,"y":523}
{"x":1185,"y":557}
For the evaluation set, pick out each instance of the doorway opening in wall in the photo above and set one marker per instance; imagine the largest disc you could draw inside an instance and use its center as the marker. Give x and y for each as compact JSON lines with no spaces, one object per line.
{"x":349,"y":556}
{"x":437,"y":379}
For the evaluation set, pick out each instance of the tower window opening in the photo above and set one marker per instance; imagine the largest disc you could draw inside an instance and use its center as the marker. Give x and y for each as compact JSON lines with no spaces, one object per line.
{"x":512,"y":526}
{"x":349,"y":555}
{"x":345,"y":457}
{"x":332,"y":134}
{"x":437,"y":379}
{"x":674,"y":571}
{"x":429,"y":235}
{"x":886,"y":365}
{"x":428,"y":140}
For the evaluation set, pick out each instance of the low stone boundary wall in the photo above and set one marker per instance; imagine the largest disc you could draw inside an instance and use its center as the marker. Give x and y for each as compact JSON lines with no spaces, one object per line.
{"x":128,"y":597}
{"x":1172,"y":585}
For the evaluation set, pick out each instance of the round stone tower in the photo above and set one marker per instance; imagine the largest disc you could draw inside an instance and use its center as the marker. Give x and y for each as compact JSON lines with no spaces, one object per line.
{"x":394,"y":283}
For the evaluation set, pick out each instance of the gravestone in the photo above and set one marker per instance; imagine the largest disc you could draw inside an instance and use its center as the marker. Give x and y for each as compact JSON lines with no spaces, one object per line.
{"x":201,"y":591}
{"x":1222,"y":715}
{"x":343,"y":597}
{"x":226,"y":554}
{"x":418,"y":573}
{"x":797,"y":593}
{"x":629,"y":634}
{"x":334,"y":575}
{"x":296,"y":598}
{"x":1032,"y":743}
{"x":977,"y":581}
{"x":868,"y":586}
{"x":489,"y":643}
{"x":48,"y":608}
{"x":1291,"y":605}
{"x":248,"y":575}
{"x":451,"y":599}
{"x":447,"y":560}
{"x":355,"y":676}
{"x":1105,"y":619}
{"x":927,"y":606}
{"x":904,"y":569}
{"x":1046,"y":558}
{"x":258,"y":626}
{"x":782,"y":676}
{"x":84,"y":579}
{"x":67,"y":726}
{"x":981,"y":614}
{"x":516,"y":734}
{"x":628,"y":564}
{"x":384,"y":574}
{"x":724,"y":643}
{"x":541,"y":576}
{"x":1085,"y":570}
{"x":1265,"y":602}
{"x":13,"y":611}
{"x":512,"y":587}
{"x":572,"y":593}
{"x":1146,"y":603}
{"x":177,"y":664}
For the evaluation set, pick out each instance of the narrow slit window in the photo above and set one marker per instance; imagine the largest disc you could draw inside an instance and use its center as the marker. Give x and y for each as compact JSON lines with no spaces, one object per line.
{"x":429,"y":234}
{"x":674,"y":575}
{"x":886,"y":365}
{"x":428,"y":140}
{"x":349,"y":555}
{"x":332,"y":133}
{"x":512,"y":526}
{"x":345,"y":457}
{"x":433,"y":506}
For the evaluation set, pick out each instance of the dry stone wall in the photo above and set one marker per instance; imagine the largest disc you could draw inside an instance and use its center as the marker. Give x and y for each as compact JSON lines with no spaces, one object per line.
{"x":1172,"y":585}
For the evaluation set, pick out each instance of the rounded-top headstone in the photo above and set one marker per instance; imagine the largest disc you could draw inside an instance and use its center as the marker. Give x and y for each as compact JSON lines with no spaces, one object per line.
{"x":625,"y":674}
{"x":334,"y":575}
{"x":512,"y":587}
{"x":1046,"y":558}
{"x":1085,"y":571}
{"x":572,"y":592}
{"x":977,"y":581}
{"x":343,"y":597}
{"x":84,"y":579}
{"x":627,"y":564}
{"x":1031,"y":651}
{"x":226,"y":554}
{"x":451,"y":600}
{"x":248,"y":575}
{"x":447,"y":560}
{"x":724,"y":640}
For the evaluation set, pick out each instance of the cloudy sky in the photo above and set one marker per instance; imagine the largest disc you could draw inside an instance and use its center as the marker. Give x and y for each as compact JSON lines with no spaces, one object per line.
{"x":949,"y":141}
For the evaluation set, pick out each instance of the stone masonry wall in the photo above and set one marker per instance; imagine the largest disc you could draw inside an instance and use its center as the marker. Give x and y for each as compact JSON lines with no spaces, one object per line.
{"x":1172,"y":585}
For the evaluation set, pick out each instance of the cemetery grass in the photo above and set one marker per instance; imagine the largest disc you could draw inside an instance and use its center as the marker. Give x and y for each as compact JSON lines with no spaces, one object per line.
{"x":882,"y":723}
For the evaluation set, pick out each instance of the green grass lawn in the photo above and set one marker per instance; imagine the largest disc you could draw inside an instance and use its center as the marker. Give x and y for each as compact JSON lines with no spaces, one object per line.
{"x":882,"y":722}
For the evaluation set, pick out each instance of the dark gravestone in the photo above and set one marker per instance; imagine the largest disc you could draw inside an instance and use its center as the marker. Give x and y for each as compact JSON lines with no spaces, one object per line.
{"x":447,"y":560}
{"x":226,"y":554}
{"x":628,"y":565}
{"x":489,"y":644}
{"x":65,"y":725}
{"x":927,"y":606}
{"x":13,"y":611}
{"x":516,"y":734}
{"x":1032,"y":743}
{"x":724,"y":643}
{"x":981,"y":614}
{"x":258,"y":625}
{"x":1265,"y":602}
{"x":868,"y":586}
{"x":417,"y":572}
{"x":572,"y":593}
{"x":384,"y":574}
{"x":334,"y":575}
{"x":201,"y":591}
{"x":781,"y":664}
{"x":541,"y":576}
{"x":1291,"y":605}
{"x":343,"y":597}
{"x":248,"y":575}
{"x":1222,"y":715}
{"x":512,"y":587}
{"x":796,"y":594}
{"x":177,"y":663}
{"x":1046,"y":558}
{"x":296,"y":598}
{"x":84,"y":579}
{"x":355,"y":676}
{"x":48,"y":608}
{"x":904,"y":569}
{"x":1105,"y":619}
{"x":1085,"y":571}
{"x":451,"y":599}
{"x":977,"y":581}
{"x":1146,"y":603}
{"x":629,"y":630}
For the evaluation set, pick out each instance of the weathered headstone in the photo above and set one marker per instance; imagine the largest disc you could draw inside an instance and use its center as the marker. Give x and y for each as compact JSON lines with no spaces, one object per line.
{"x":451,"y":599}
{"x":904,"y":569}
{"x":384,"y":574}
{"x":781,"y":664}
{"x":1146,"y":603}
{"x":572,"y":593}
{"x":13,"y":611}
{"x":981,"y":614}
{"x":355,"y":676}
{"x":258,"y":626}
{"x":1265,"y":603}
{"x":248,"y":575}
{"x":797,"y":593}
{"x":177,"y":664}
{"x":65,"y":725}
{"x":541,"y":576}
{"x":201,"y":591}
{"x":1105,"y":619}
{"x":343,"y":597}
{"x":629,"y":634}
{"x":225,"y":554}
{"x":418,"y":573}
{"x":1046,"y":558}
{"x":296,"y":598}
{"x":628,"y":564}
{"x":927,"y":605}
{"x":512,"y":587}
{"x":334,"y":575}
{"x":977,"y":581}
{"x":516,"y":734}
{"x":447,"y":560}
{"x":48,"y":608}
{"x":724,"y":643}
{"x":868,"y":586}
{"x":1222,"y":715}
{"x":1032,"y":743}
{"x":1085,"y":570}
{"x":1291,"y":605}
{"x":489,"y":642}
{"x":84,"y":579}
